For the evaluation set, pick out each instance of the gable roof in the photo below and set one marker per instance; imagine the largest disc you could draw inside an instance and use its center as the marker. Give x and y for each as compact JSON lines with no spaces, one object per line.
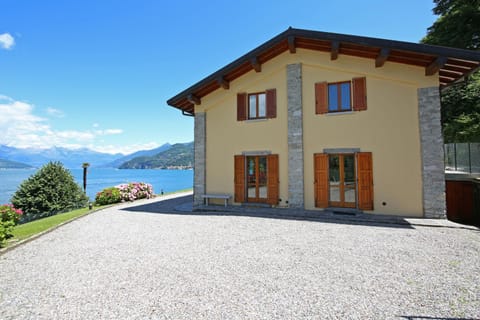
{"x":451,"y":63}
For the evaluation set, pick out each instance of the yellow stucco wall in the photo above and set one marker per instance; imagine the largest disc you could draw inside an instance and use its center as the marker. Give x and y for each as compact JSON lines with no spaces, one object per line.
{"x":389,"y":128}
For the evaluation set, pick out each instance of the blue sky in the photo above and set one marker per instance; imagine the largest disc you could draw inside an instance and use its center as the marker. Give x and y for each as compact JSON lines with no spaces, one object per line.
{"x":97,"y":73}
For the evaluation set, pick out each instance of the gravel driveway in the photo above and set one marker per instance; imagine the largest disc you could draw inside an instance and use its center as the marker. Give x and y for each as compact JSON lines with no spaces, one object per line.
{"x":122,"y":263}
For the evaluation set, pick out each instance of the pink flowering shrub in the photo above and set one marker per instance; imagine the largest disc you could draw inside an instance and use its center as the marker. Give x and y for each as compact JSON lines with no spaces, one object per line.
{"x":9,"y":217}
{"x":125,"y":192}
{"x":135,"y":190}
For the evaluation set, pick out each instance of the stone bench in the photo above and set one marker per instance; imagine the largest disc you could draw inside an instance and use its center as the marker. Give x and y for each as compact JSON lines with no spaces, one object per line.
{"x":225,"y":197}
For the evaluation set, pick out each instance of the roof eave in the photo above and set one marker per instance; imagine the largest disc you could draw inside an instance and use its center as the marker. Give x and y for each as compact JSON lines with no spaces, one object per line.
{"x":425,"y":49}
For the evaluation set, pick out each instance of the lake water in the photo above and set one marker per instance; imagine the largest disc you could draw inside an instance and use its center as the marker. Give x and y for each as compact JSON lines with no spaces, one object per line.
{"x":99,"y":179}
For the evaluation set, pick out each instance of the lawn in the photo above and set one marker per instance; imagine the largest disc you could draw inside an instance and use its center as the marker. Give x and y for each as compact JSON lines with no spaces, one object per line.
{"x":29,"y":229}
{"x":26,"y":230}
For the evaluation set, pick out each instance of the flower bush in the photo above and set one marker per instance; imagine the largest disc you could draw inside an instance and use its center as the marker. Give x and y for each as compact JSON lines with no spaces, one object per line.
{"x":135,"y":190}
{"x":125,"y":192}
{"x":9,"y":216}
{"x":107,"y":196}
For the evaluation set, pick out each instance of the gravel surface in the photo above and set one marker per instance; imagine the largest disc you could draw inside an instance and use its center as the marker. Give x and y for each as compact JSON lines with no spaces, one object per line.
{"x":130,"y":264}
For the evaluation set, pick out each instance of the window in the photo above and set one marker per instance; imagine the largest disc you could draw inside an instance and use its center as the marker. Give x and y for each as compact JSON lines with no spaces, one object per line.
{"x":341,"y":96}
{"x":257,"y":106}
{"x":261,"y":105}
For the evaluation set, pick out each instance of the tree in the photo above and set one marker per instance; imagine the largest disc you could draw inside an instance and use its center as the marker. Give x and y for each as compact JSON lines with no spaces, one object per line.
{"x":459,"y":26}
{"x":85,"y":166}
{"x":51,"y":190}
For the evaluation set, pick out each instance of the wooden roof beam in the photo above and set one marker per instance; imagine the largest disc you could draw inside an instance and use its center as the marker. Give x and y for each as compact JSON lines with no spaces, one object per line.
{"x":382,"y":57}
{"x":194,"y":99}
{"x":435,"y":66}
{"x":291,"y":44}
{"x":334,"y":51}
{"x":223,"y":83}
{"x":256,"y":65}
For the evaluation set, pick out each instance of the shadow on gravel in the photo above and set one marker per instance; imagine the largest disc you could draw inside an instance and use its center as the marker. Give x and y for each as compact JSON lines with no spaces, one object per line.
{"x":172,"y":207}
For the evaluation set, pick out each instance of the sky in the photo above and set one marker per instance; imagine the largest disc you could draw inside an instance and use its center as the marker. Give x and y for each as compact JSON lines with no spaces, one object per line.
{"x":97,"y":73}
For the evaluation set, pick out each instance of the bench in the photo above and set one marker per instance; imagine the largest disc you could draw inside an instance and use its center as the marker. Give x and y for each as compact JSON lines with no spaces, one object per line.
{"x":216,"y":196}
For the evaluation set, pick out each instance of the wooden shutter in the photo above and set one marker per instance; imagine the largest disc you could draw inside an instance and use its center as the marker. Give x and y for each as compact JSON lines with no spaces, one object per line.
{"x":321,"y":179}
{"x":272,"y":179}
{"x":241,"y":106}
{"x":239,"y":179}
{"x":271,"y":97}
{"x":359,"y":94}
{"x":321,"y":98}
{"x":365,"y":180}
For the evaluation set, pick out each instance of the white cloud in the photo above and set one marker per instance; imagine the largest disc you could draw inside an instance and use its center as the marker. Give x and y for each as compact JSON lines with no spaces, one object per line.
{"x":6,"y":41}
{"x":108,"y":132}
{"x":55,"y":112}
{"x":124,"y":149}
{"x":21,"y":128}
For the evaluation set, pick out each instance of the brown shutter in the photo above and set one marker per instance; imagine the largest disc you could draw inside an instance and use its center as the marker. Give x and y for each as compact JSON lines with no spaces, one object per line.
{"x":321,"y":98}
{"x":271,"y":103}
{"x":359,"y":94}
{"x":272,"y":179}
{"x":239,"y":178}
{"x":321,"y":180}
{"x":365,"y":180}
{"x":241,"y":106}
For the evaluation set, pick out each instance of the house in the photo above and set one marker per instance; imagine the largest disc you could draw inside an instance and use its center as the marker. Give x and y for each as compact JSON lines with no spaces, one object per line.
{"x":320,"y":120}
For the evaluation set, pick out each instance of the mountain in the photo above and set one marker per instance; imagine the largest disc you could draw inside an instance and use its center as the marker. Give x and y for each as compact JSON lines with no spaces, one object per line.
{"x":143,"y":153}
{"x":7,"y":164}
{"x":178,"y":156}
{"x":71,"y":158}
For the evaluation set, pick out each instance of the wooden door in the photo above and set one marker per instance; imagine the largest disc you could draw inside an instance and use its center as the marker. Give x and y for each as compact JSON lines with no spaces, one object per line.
{"x":365,"y":180}
{"x":273,"y":180}
{"x":239,"y":179}
{"x":321,"y":180}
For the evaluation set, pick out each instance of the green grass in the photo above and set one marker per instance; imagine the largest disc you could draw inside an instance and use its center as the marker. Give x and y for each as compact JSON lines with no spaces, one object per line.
{"x":29,"y":229}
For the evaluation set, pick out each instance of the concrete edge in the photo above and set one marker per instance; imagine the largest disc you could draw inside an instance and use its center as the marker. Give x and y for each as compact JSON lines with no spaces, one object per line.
{"x":38,"y":235}
{"x":374,"y":219}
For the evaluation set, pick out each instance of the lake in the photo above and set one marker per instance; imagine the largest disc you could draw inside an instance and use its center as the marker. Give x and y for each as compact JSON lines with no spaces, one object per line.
{"x":101,"y":178}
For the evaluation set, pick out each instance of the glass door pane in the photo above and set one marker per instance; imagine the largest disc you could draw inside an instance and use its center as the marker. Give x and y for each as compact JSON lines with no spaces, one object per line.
{"x":251,"y":177}
{"x":262,"y":177}
{"x":334,"y":178}
{"x":349,"y":178}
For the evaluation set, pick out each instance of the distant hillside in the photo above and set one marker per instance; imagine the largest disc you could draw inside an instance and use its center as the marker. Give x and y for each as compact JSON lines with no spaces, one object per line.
{"x":71,"y":158}
{"x":178,"y":156}
{"x":7,"y":164}
{"x":143,"y":153}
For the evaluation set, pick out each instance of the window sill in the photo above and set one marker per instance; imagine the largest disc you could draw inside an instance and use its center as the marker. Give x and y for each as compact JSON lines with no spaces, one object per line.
{"x":339,"y":113}
{"x":256,"y":120}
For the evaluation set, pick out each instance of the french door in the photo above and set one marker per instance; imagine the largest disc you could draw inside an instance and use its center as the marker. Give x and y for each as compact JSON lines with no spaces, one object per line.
{"x":344,"y":180}
{"x":257,"y":179}
{"x":342,"y":184}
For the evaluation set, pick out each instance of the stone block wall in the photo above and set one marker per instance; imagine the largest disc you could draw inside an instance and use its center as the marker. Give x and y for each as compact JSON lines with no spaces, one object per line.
{"x":431,"y":139}
{"x":199,"y":174}
{"x":295,"y":136}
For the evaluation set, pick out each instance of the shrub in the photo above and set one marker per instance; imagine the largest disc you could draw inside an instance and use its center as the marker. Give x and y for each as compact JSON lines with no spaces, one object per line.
{"x":9,"y":216}
{"x":51,"y":190}
{"x":135,"y":190}
{"x":107,"y":196}
{"x":124,"y":192}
